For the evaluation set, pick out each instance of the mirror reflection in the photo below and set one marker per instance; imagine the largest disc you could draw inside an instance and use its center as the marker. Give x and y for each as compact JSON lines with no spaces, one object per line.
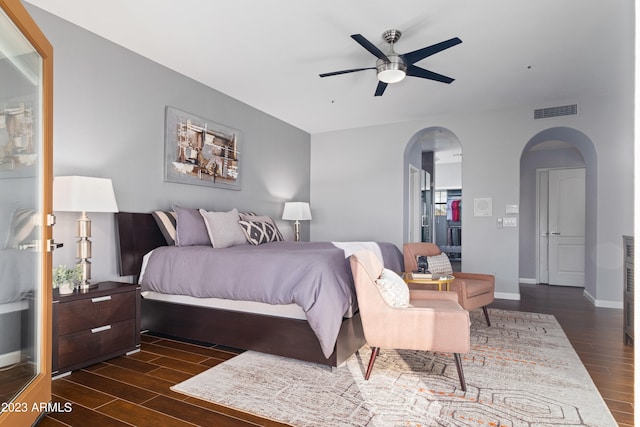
{"x":20,"y":95}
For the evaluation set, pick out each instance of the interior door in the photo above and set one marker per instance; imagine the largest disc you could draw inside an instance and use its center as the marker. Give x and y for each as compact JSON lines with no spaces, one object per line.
{"x":543,"y":226}
{"x":25,"y":216}
{"x":566,"y":226}
{"x":427,"y":206}
{"x":415,"y":203}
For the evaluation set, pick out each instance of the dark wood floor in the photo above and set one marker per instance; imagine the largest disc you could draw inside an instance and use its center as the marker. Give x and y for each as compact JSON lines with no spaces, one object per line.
{"x":134,"y":390}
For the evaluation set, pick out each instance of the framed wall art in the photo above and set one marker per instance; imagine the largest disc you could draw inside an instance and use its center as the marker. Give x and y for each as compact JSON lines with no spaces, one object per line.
{"x":201,"y":152}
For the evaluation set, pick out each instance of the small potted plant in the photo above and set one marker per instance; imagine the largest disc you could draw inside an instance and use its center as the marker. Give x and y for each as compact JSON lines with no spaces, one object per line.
{"x":66,"y":278}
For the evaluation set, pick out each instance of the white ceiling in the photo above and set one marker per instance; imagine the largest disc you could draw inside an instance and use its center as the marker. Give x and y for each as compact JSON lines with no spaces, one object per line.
{"x":268,"y":53}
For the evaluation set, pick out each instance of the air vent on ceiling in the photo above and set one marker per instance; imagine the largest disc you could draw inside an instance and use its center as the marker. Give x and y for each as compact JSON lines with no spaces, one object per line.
{"x":563,"y":110}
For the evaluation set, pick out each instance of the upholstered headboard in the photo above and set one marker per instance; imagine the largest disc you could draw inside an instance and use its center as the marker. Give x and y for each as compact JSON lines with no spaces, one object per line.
{"x":137,"y":234}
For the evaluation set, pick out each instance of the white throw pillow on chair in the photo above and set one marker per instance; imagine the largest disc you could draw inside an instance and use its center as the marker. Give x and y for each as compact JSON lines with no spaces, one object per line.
{"x":393,"y":289}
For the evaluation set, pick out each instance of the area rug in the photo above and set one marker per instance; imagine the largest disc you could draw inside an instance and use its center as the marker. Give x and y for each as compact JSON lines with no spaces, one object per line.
{"x":521,"y":371}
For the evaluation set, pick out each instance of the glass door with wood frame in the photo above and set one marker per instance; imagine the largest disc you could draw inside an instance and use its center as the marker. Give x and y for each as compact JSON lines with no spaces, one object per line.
{"x":25,"y":217}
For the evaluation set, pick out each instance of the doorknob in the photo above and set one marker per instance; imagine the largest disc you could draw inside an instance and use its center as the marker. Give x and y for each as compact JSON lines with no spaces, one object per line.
{"x":555,"y":233}
{"x":36,"y":245}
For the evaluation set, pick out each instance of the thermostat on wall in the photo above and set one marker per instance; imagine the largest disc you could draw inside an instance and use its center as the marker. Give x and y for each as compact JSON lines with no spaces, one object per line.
{"x":511,"y":208}
{"x":483,"y":206}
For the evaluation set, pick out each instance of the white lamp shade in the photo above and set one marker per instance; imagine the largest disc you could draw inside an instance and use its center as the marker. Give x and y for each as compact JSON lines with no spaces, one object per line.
{"x":83,"y":194}
{"x":296,"y":211}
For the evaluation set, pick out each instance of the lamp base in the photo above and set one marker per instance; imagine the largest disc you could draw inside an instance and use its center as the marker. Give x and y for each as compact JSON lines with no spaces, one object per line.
{"x":84,"y":287}
{"x":296,"y":228}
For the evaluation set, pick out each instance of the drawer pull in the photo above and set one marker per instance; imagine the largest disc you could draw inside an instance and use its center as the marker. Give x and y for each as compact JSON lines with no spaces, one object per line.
{"x":100,"y":329}
{"x":100,"y":299}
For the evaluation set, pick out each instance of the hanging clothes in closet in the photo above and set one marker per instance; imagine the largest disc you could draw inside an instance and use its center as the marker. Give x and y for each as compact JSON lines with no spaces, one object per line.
{"x":456,"y":206}
{"x":454,"y":215}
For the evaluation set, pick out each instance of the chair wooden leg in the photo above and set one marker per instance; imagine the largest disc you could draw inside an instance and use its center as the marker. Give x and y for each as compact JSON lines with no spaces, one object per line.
{"x":486,"y":315}
{"x":463,"y":383}
{"x":372,"y":359}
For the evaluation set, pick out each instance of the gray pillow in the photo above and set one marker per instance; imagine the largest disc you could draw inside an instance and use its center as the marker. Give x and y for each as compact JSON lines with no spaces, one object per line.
{"x":6,"y":216}
{"x":223,"y":228}
{"x":22,"y":227}
{"x":190,"y":228}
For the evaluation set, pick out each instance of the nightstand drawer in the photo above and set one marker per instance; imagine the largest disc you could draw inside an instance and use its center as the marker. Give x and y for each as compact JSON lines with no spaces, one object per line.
{"x":89,"y":344}
{"x":90,"y":313}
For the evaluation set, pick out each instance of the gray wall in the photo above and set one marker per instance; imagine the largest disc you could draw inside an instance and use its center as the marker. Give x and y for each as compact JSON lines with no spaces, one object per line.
{"x":109,"y":108}
{"x":365,"y":184}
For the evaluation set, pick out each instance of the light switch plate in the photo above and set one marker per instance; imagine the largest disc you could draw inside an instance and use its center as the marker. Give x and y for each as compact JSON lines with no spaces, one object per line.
{"x":510,"y":221}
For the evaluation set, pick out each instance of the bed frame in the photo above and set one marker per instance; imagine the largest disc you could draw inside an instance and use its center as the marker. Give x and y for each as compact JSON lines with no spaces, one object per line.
{"x":138,"y":233}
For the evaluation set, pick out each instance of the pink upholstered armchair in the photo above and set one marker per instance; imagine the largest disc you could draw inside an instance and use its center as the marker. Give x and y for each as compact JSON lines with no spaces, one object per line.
{"x":474,"y":290}
{"x":432,"y":320}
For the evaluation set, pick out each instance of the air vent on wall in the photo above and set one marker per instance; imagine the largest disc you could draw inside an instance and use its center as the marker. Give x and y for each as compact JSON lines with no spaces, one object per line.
{"x":564,"y":110}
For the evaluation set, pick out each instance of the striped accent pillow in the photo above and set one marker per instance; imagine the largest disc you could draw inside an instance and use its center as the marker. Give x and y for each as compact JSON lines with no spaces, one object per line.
{"x":167,"y":224}
{"x":23,"y":223}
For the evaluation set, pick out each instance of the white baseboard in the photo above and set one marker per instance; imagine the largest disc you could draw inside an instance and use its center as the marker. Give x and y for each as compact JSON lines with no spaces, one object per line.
{"x":10,"y":358}
{"x":528,"y":281}
{"x":603,"y":303}
{"x":506,"y":295}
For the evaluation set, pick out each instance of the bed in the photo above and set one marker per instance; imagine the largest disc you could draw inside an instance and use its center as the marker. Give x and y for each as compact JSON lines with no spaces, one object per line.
{"x":18,"y":276}
{"x":288,"y":334}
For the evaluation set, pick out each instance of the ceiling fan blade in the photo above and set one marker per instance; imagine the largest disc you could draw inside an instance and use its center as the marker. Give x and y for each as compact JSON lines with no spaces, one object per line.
{"x":417,"y":55}
{"x":380,"y":89}
{"x":369,"y":46}
{"x":353,"y":70}
{"x":414,"y":71}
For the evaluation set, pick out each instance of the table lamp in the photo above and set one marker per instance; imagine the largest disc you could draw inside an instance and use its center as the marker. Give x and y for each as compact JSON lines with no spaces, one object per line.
{"x":83,"y":194}
{"x":296,"y":211}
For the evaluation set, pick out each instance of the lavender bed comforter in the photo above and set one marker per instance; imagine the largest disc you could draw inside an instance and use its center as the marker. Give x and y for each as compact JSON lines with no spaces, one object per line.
{"x":314,"y":275}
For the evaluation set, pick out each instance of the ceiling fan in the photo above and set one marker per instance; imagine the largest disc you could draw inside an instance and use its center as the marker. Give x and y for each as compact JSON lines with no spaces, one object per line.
{"x":393,"y":67}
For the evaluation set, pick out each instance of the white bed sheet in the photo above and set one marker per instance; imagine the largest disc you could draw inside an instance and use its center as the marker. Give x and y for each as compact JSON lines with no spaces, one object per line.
{"x":292,"y":311}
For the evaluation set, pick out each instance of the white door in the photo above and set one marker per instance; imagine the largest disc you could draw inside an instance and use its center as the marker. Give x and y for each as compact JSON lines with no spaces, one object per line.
{"x":566,"y":222}
{"x":543,"y":226}
{"x":415,"y":202}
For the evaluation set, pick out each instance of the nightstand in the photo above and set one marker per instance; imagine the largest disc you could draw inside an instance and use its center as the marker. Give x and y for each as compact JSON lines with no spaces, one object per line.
{"x":93,"y":326}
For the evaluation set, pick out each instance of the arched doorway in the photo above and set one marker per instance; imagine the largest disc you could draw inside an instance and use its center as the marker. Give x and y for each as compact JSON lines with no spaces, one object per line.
{"x":432,"y":177}
{"x":555,"y":149}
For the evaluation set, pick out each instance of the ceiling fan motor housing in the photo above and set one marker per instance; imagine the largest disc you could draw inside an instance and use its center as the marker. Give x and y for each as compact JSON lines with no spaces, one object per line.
{"x":393,"y":71}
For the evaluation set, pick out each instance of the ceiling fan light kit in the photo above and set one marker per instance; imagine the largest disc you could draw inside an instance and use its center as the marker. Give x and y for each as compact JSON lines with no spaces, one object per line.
{"x":393,"y":67}
{"x":393,"y":71}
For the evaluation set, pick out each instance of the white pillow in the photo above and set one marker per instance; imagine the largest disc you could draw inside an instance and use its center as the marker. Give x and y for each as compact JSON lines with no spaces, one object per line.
{"x":439,"y":264}
{"x":393,"y":289}
{"x":223,"y":228}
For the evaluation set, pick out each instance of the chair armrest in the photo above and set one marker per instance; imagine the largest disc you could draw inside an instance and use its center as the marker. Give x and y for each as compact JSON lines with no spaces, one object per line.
{"x":478,"y":276}
{"x":425,"y":294}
